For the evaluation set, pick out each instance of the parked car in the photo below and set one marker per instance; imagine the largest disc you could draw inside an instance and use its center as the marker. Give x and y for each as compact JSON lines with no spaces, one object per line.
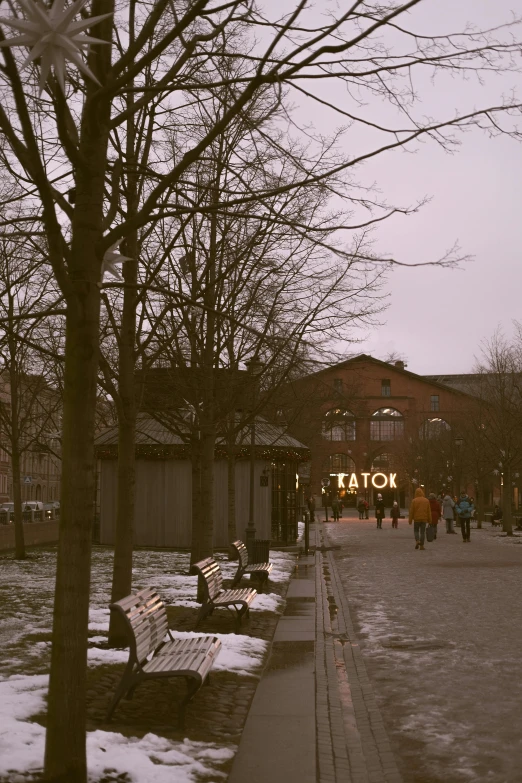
{"x":6,"y":513}
{"x":33,"y":505}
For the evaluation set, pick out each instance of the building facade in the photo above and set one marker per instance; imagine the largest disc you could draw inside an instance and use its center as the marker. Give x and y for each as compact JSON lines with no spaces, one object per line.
{"x":163,"y":510}
{"x":374,"y":427}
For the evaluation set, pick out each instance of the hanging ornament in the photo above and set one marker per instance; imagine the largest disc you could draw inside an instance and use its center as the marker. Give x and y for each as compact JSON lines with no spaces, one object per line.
{"x":52,"y":36}
{"x":112,"y":257}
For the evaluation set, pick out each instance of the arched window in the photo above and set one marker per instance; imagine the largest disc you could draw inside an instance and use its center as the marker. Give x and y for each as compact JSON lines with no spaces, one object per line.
{"x":433,"y":428}
{"x":383,"y":463}
{"x":386,"y":424}
{"x":339,"y":463}
{"x":338,"y":424}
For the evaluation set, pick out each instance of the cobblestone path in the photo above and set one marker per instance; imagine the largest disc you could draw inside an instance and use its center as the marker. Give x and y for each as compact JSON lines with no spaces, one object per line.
{"x":441,"y":635}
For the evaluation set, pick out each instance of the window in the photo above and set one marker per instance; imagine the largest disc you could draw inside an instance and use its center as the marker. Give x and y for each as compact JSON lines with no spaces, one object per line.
{"x":434,"y":402}
{"x":338,"y":424}
{"x":338,"y":384}
{"x":433,"y":428}
{"x":383,"y":463}
{"x":385,"y":387}
{"x":338,"y":463}
{"x":386,"y":424}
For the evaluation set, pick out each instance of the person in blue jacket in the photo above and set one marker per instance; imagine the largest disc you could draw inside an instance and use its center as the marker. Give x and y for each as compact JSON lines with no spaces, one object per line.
{"x":465,"y":509}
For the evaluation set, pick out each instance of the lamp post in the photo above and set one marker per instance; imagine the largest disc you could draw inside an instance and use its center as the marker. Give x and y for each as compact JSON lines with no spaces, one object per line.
{"x":255,"y":368}
{"x":458,"y":445}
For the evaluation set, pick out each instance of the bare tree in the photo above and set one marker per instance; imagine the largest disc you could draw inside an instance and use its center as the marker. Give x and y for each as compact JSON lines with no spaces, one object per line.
{"x":31,"y":408}
{"x":498,"y":424}
{"x":55,"y":140}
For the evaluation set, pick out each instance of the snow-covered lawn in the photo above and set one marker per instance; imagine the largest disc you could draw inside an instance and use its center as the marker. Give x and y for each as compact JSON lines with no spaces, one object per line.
{"x":26,"y":603}
{"x":150,"y":759}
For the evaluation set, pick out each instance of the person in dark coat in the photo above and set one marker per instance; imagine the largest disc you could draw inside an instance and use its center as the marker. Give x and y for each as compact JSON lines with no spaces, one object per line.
{"x":448,"y":506}
{"x":465,"y":509}
{"x":435,"y":512}
{"x":379,"y":511}
{"x":311,"y":508}
{"x":336,"y":508}
{"x":395,"y":514}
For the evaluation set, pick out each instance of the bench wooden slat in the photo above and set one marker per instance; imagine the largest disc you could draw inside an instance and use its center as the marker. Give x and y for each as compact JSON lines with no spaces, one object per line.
{"x":209,"y":571}
{"x":155,"y":653}
{"x":261,"y":570}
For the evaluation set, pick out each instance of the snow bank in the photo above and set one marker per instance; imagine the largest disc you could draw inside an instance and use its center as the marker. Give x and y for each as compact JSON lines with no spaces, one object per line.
{"x":151,"y":759}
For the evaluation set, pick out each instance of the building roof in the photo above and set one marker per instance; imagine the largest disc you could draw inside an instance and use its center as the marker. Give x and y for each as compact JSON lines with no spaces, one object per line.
{"x":433,"y":380}
{"x":151,"y":431}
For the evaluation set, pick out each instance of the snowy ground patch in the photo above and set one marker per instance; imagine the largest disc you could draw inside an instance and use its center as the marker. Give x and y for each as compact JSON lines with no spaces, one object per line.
{"x":26,"y":590}
{"x":151,"y":759}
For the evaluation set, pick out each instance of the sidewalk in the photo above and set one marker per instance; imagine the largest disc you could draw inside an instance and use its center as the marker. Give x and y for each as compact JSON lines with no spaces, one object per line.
{"x":314,"y":718}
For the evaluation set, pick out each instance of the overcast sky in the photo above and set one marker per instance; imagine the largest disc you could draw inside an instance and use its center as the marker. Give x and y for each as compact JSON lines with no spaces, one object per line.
{"x":437,"y":318}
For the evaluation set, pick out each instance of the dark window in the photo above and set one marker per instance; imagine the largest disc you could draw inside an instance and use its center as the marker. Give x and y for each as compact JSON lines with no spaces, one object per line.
{"x":434,"y":399}
{"x":339,"y":425}
{"x":386,"y":424}
{"x":338,"y":384}
{"x":385,"y":387}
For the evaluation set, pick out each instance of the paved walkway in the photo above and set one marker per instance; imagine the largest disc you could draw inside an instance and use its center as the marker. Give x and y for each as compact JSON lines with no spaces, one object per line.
{"x":314,"y":718}
{"x":392,"y":664}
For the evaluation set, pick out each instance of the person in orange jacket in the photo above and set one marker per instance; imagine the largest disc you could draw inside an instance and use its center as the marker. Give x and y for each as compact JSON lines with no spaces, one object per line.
{"x":436,"y":511}
{"x":420,"y":515}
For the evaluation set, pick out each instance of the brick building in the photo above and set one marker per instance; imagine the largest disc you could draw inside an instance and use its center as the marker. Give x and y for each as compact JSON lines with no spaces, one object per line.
{"x":375,"y":427}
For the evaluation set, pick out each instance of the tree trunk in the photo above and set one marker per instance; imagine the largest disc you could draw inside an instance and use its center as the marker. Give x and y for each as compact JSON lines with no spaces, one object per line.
{"x":124,"y":542}
{"x":507,"y":512}
{"x":17,"y":498}
{"x":231,"y":493}
{"x":15,"y":440}
{"x":206,"y":537}
{"x":65,"y":746}
{"x":196,"y":547}
{"x":65,"y":753}
{"x":480,"y":506}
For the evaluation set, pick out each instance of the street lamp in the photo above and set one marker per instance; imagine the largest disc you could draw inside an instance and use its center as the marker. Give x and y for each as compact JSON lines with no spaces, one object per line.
{"x":254,"y":368}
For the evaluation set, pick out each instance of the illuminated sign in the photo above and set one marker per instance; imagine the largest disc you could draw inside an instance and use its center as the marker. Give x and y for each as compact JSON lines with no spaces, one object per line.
{"x":377,"y":480}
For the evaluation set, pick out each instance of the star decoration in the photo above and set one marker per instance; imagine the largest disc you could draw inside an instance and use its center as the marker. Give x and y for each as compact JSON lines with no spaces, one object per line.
{"x":111,"y":258}
{"x":52,"y":36}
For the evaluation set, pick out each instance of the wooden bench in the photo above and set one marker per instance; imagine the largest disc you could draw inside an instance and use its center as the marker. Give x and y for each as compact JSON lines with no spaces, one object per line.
{"x":151,"y":656}
{"x":214,"y":597}
{"x":261,"y":571}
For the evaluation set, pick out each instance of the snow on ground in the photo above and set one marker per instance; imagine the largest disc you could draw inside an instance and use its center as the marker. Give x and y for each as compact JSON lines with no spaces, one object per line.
{"x":151,"y":759}
{"x":26,"y":603}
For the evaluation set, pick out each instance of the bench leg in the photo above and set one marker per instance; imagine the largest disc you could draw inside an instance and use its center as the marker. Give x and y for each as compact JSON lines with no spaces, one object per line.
{"x":205,"y":609}
{"x":126,"y":685}
{"x":193,"y":686}
{"x":237,"y":578}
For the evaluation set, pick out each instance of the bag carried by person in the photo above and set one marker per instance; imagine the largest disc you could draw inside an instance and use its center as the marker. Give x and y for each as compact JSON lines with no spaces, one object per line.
{"x":430,"y":532}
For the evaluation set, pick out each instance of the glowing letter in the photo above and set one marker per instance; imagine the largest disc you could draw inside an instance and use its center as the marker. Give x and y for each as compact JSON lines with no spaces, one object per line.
{"x":353,"y":482}
{"x":340,"y":477}
{"x":365,"y":479}
{"x":379,"y":486}
{"x":393,"y":485}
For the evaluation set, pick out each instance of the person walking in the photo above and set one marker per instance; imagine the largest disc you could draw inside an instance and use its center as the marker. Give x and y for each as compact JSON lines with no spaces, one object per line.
{"x":420,"y":515}
{"x":361,"y":508}
{"x":379,"y":511}
{"x":395,"y":514}
{"x":335,"y":509}
{"x":366,"y":509}
{"x":311,"y":508}
{"x":435,"y":512}
{"x":448,"y":505}
{"x":465,"y":509}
